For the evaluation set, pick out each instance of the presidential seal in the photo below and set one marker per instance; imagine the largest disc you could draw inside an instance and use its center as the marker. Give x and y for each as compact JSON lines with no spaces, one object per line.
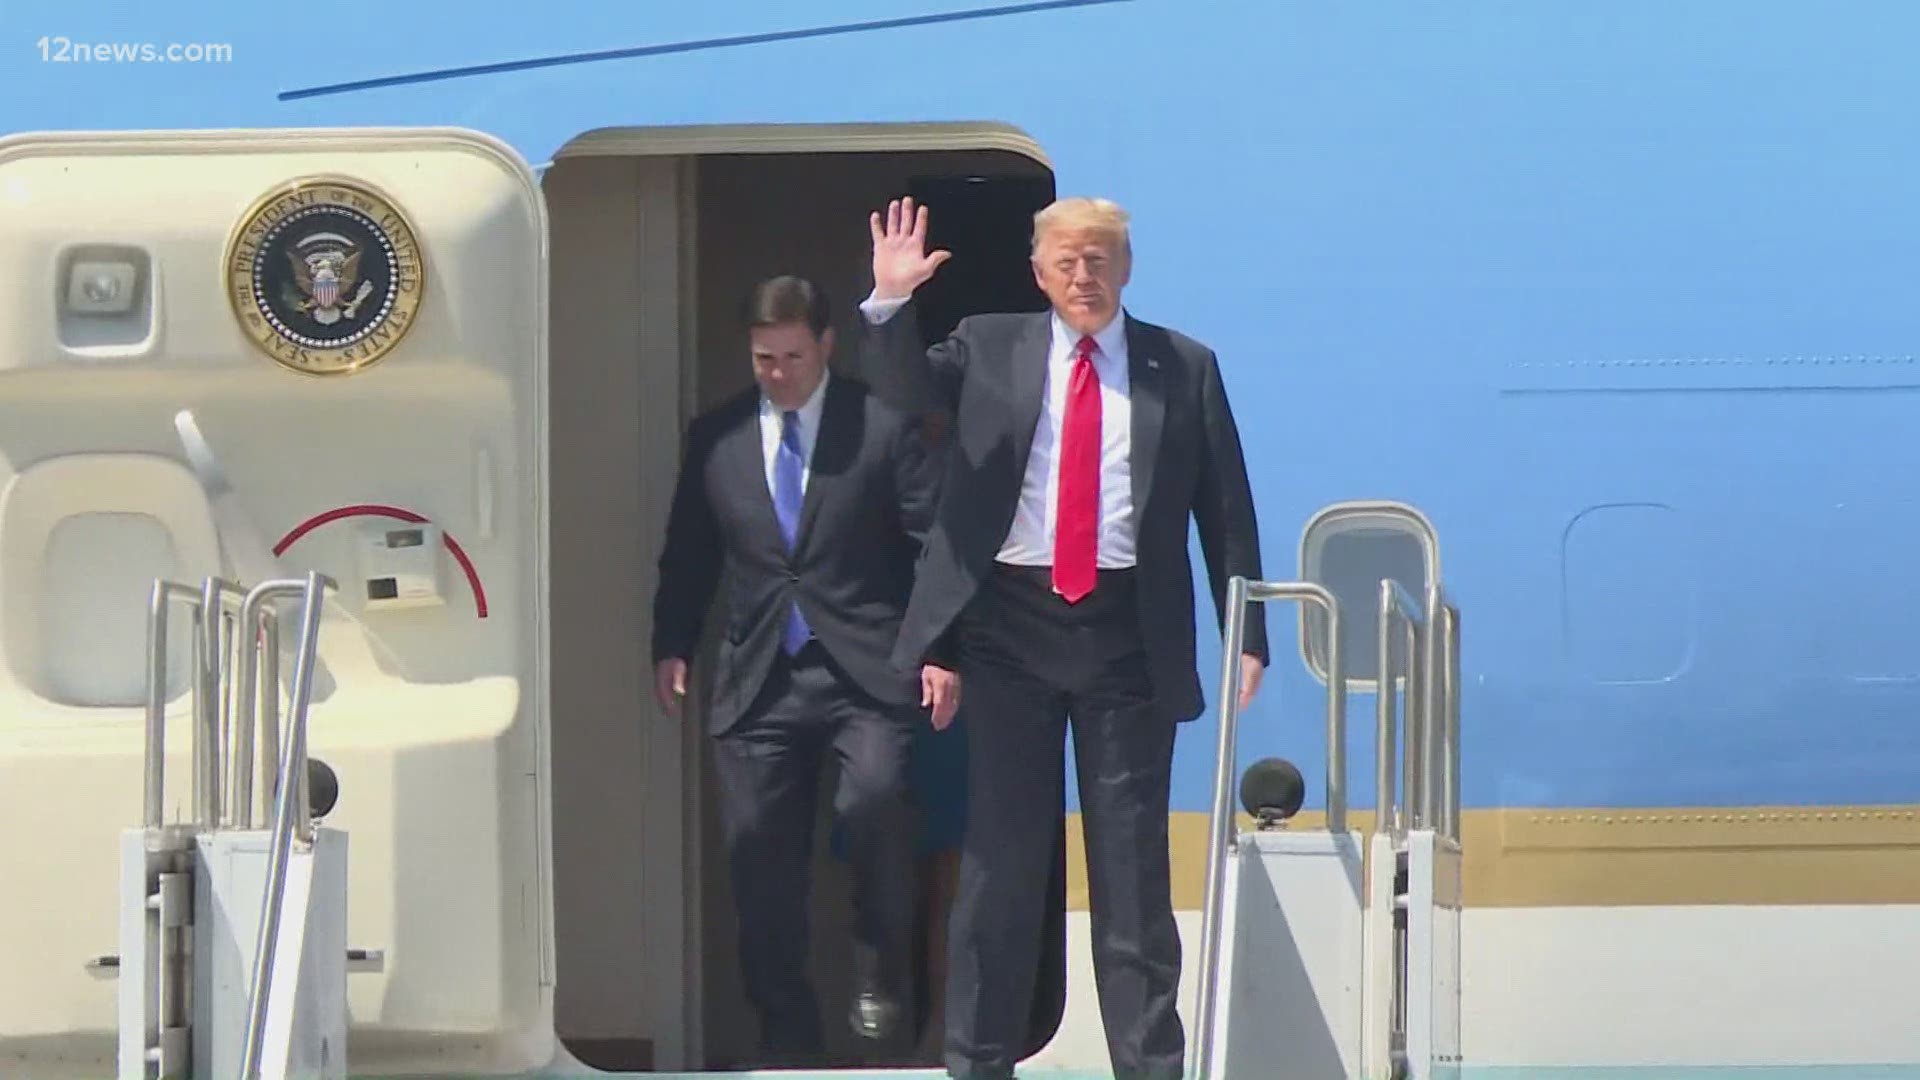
{"x":325,"y":275}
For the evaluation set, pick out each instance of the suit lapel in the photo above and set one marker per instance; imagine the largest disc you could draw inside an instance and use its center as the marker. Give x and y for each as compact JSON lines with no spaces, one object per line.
{"x":747,"y":460}
{"x":832,"y":455}
{"x":1148,"y":400}
{"x":1029,"y":382}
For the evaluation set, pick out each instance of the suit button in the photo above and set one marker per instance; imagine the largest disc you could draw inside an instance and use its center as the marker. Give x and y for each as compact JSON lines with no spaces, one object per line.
{"x":793,"y":576}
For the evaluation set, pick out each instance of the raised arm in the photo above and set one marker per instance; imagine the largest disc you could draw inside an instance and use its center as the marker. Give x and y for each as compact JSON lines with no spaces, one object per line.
{"x":911,"y":378}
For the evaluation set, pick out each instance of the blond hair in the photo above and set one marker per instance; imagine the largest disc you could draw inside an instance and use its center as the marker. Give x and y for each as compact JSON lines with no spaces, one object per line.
{"x":1093,"y":215}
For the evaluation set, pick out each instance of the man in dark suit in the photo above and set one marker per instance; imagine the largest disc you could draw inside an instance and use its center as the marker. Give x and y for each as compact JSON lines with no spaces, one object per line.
{"x":1056,"y":583}
{"x":814,"y":498}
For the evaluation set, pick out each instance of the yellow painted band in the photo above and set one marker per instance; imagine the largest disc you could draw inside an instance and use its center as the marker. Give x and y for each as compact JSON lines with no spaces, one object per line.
{"x":1614,"y":857}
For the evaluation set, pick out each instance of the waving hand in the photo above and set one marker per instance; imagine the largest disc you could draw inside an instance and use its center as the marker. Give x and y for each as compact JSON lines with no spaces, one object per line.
{"x":901,"y":262}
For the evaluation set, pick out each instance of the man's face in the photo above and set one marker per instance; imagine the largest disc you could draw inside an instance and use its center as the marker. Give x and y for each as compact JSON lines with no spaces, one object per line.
{"x":788,"y":361}
{"x":1082,"y":272}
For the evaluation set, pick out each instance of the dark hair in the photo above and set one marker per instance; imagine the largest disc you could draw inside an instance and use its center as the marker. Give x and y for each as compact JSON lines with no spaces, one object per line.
{"x":788,"y":299}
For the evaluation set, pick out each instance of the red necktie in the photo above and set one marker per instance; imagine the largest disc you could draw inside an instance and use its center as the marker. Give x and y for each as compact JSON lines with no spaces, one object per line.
{"x":1077,"y":510}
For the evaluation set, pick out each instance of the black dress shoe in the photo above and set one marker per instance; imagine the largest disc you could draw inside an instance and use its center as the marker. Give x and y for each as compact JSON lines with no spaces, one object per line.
{"x":875,"y":1017}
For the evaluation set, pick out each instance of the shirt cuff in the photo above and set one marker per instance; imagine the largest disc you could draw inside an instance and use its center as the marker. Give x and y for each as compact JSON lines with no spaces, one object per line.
{"x":878,"y":311}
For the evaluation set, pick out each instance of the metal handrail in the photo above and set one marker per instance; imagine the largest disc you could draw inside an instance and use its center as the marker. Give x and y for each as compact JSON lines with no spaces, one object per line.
{"x":1449,"y":698}
{"x":1438,"y":807}
{"x":1398,"y":610}
{"x":165,"y":593}
{"x":290,"y":816}
{"x":260,"y":697}
{"x":1221,"y":833}
{"x":227,"y":710}
{"x":209,"y":703}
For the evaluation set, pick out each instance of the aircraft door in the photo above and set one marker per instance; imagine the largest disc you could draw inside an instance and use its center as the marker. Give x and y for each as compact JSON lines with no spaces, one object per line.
{"x":251,"y":355}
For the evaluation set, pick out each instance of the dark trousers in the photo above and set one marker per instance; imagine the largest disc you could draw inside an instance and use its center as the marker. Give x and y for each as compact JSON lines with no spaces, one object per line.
{"x":1030,"y":663}
{"x":768,"y":767}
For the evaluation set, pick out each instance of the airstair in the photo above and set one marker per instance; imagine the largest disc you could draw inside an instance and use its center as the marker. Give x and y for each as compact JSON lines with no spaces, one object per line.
{"x":1325,"y":952}
{"x":233,"y":922}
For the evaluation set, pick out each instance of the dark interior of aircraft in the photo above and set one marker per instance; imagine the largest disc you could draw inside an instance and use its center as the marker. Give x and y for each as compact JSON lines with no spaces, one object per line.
{"x":648,"y":968}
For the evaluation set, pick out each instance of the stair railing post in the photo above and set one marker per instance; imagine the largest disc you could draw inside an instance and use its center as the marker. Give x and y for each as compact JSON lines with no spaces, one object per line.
{"x":1221,"y":833}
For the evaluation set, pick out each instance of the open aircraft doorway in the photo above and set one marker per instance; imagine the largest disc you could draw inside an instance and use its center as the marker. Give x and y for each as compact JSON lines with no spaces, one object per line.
{"x":657,"y":235}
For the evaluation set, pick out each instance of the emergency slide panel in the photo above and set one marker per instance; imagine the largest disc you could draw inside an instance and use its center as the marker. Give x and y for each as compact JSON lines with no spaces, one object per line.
{"x":250,"y":355}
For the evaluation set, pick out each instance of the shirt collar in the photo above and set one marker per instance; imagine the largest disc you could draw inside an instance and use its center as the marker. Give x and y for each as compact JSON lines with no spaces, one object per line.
{"x":1111,"y":338}
{"x":810,"y":410}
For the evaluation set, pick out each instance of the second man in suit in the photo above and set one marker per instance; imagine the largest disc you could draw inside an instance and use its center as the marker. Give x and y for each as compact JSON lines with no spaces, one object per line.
{"x":813,"y":497}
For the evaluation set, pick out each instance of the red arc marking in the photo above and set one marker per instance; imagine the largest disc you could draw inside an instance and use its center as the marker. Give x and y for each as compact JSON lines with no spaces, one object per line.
{"x":376,"y":510}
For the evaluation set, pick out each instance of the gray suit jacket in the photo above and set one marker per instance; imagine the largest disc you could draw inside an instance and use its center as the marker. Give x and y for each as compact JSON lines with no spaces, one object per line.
{"x":865,"y":514}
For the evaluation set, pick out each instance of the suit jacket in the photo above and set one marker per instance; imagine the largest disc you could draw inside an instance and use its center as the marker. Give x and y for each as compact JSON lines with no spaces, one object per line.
{"x":1186,"y":464}
{"x":867,"y":506}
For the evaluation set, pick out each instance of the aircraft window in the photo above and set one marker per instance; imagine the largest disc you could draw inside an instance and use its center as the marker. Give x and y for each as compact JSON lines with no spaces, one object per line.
{"x":1629,"y":565}
{"x":1350,"y":551}
{"x":93,"y":588}
{"x":82,"y":538}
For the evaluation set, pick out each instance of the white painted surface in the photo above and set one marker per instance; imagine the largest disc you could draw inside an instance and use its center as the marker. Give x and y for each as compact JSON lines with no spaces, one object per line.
{"x":1433,"y":955}
{"x":1690,"y":985}
{"x":143,"y":1001}
{"x":317,"y":1040}
{"x":1293,"y":922}
{"x":307,"y":1025}
{"x":1625,"y":987}
{"x":1376,"y":990}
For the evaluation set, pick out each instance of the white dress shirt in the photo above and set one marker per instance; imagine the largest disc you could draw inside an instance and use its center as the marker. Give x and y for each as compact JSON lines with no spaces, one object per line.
{"x":770,"y":428}
{"x":1030,"y":541}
